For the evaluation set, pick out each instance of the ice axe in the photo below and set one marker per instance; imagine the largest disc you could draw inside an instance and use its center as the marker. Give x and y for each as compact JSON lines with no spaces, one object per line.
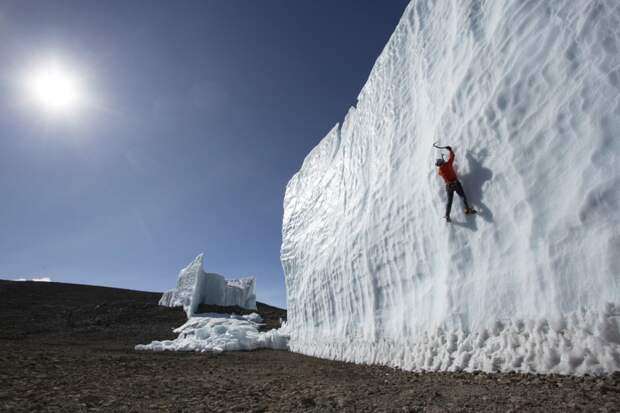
{"x":435,"y":145}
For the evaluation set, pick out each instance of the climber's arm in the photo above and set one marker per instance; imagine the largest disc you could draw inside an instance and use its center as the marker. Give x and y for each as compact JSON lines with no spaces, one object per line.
{"x":451,"y":157}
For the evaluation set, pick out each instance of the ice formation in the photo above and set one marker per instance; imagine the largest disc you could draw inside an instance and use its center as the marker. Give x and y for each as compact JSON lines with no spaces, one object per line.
{"x":527,"y":92}
{"x":222,"y":332}
{"x":211,"y":331}
{"x":195,"y":287}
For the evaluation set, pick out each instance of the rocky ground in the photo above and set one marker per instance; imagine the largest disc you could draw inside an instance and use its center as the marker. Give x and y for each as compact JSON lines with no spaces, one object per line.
{"x":67,"y":347}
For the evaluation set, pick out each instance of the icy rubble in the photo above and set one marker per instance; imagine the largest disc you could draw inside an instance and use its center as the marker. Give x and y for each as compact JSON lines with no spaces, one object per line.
{"x":195,"y":287}
{"x":222,"y":332}
{"x":211,"y":331}
{"x":528,"y":94}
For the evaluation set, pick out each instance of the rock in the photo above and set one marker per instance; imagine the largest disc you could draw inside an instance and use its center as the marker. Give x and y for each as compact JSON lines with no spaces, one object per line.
{"x":341,"y":402}
{"x":307,"y":402}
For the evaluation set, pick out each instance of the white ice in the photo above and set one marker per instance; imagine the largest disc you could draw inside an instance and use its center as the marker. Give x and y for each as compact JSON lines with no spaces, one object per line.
{"x":222,"y":332}
{"x":195,"y":287}
{"x":211,"y":331}
{"x":528,"y":94}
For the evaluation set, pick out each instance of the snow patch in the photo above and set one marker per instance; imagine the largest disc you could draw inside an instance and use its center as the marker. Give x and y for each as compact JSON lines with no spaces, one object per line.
{"x":37,"y":279}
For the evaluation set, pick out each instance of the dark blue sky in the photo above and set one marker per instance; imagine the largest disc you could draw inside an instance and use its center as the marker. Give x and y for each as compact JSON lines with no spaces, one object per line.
{"x":202,"y":111}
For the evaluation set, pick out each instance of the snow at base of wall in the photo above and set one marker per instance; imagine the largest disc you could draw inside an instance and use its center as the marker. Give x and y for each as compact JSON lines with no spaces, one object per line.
{"x":584,"y":342}
{"x":528,"y":95}
{"x":195,"y":287}
{"x":220,"y":332}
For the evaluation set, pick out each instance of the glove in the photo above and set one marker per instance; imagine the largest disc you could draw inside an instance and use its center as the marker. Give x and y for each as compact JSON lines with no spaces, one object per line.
{"x":449,"y":148}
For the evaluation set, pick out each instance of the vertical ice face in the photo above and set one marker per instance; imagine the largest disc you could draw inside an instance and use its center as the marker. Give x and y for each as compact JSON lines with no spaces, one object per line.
{"x":195,"y":287}
{"x":528,"y":94}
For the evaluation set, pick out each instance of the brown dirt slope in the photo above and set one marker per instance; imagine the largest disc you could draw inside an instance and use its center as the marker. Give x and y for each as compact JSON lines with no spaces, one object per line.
{"x":59,"y":310}
{"x":66,"y":347}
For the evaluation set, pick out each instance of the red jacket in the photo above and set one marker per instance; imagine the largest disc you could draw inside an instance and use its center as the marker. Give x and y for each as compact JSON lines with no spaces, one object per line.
{"x":446,"y":171}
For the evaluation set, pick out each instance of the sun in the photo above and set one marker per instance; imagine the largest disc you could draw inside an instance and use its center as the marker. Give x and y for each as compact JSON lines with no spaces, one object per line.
{"x":55,"y":88}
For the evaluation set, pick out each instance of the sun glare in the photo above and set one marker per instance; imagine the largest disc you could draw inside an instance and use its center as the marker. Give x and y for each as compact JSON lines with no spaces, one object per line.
{"x":55,"y":88}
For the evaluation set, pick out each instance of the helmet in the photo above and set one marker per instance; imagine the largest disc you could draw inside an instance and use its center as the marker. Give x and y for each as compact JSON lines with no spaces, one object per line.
{"x":439,"y":162}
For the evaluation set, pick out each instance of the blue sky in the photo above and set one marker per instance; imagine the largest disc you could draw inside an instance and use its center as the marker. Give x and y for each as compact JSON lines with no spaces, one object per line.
{"x":199,"y":113}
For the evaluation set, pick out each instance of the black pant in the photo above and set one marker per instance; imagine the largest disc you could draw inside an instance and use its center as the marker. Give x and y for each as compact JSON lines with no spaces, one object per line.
{"x":450,"y":189}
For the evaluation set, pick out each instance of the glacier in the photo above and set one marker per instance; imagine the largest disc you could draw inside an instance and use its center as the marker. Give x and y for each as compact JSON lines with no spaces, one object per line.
{"x":214,"y":332}
{"x":195,"y":287}
{"x":528,"y":95}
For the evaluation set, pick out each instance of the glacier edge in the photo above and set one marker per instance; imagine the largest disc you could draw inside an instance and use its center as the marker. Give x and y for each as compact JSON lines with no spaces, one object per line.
{"x":529,"y":99}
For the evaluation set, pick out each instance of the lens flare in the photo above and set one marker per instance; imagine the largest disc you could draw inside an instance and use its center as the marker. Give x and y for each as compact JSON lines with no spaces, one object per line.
{"x":54,"y":88}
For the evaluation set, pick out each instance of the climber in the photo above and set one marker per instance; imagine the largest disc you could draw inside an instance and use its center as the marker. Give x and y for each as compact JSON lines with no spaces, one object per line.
{"x":446,"y":171}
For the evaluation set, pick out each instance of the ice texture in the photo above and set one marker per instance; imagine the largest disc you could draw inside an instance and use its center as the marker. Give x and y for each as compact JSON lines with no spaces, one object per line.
{"x":195,"y":287}
{"x":527,"y":93}
{"x":221,"y":332}
{"x":211,"y":331}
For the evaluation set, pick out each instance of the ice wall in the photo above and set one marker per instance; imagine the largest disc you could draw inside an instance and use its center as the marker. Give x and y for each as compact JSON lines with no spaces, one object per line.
{"x":527,"y":92}
{"x":195,"y":287}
